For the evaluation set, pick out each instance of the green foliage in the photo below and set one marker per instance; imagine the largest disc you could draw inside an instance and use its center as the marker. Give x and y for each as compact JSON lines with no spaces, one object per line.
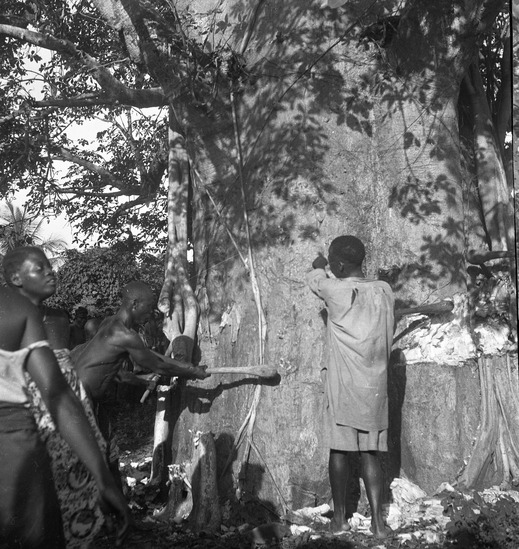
{"x":94,"y":279}
{"x":480,"y":525}
{"x":117,"y":180}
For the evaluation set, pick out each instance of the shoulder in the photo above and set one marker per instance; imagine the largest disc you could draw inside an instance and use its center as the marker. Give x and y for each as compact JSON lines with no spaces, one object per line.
{"x":386,"y":288}
{"x":11,"y":299}
{"x":17,"y":306}
{"x":379,"y":284}
{"x":382,"y":289}
{"x":115,"y":331}
{"x":20,"y":321}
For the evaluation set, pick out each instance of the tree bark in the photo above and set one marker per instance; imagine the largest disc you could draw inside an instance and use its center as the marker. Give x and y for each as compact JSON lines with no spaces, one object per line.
{"x":491,"y":175}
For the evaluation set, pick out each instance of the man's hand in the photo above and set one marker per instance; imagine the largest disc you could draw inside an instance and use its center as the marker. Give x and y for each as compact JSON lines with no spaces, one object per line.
{"x":319,"y":262}
{"x":152,"y":383}
{"x":199,"y":372}
{"x":116,"y":510}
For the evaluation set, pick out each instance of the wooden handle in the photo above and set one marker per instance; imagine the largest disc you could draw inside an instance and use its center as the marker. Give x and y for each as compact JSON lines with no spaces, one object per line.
{"x":259,"y":371}
{"x":145,"y":395}
{"x":147,"y":392}
{"x":445,"y":306}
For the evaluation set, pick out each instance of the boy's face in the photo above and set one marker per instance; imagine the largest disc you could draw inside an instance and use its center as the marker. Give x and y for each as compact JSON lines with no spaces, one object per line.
{"x":35,"y":277}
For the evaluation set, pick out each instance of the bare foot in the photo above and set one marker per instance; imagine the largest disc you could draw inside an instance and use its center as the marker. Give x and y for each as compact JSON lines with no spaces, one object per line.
{"x":337,"y":526}
{"x":378,"y":528}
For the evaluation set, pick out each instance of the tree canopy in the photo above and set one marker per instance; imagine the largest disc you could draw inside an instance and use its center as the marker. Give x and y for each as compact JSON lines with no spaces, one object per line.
{"x":81,"y":67}
{"x":67,"y":63}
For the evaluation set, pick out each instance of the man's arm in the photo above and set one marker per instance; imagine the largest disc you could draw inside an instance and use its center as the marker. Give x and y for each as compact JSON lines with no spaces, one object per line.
{"x":316,"y":274}
{"x":158,"y":363}
{"x":313,"y":279}
{"x":141,"y":380}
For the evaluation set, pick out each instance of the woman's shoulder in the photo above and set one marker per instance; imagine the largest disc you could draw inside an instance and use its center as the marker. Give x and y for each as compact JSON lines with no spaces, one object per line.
{"x":12,"y":301}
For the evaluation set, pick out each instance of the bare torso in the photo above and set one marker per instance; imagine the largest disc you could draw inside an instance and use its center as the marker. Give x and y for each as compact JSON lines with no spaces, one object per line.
{"x":98,"y":361}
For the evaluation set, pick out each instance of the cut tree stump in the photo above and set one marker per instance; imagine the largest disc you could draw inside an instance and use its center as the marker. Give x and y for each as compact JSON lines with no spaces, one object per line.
{"x":194,"y":492}
{"x":206,"y":514}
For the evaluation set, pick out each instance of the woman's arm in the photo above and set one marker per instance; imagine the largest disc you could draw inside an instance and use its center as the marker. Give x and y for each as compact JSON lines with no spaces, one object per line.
{"x":71,"y":421}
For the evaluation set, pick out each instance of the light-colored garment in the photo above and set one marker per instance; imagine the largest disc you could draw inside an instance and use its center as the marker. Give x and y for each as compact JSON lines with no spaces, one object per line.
{"x":360,"y":333}
{"x":13,"y":386}
{"x":77,"y":492}
{"x":349,"y":439}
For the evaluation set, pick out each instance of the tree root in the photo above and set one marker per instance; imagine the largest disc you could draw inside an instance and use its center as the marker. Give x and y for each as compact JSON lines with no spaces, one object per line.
{"x":498,"y":441}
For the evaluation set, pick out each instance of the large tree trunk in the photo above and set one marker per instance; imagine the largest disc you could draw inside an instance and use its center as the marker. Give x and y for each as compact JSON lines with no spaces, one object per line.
{"x":369,"y":148}
{"x":328,"y":131}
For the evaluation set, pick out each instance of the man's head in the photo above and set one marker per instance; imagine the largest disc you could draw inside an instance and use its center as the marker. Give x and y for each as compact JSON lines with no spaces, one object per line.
{"x":139,"y":299}
{"x":91,"y":327}
{"x":345,"y":255}
{"x":28,"y":270}
{"x":80,"y":317}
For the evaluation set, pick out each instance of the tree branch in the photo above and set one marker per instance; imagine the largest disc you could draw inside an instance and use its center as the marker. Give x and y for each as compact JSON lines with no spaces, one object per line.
{"x":129,"y":205}
{"x":128,"y":136}
{"x":110,"y":179}
{"x":113,"y":88}
{"x":140,"y":99}
{"x":89,"y":193}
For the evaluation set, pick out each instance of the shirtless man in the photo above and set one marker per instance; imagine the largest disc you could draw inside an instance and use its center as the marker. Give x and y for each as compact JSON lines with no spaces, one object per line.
{"x":98,"y":362}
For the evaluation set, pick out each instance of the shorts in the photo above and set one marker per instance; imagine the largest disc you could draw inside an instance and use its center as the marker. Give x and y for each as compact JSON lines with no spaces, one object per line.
{"x":349,"y":439}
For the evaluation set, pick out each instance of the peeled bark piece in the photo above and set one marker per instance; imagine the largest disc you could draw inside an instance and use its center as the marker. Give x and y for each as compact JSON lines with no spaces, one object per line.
{"x":206,"y":514}
{"x":259,"y":371}
{"x":445,"y":306}
{"x":180,"y":501}
{"x":479,"y":257}
{"x":161,"y":436}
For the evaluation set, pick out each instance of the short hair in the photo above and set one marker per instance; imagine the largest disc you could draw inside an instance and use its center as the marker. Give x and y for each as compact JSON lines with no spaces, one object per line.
{"x":136,"y":290}
{"x":348,"y":248}
{"x":14,"y":259}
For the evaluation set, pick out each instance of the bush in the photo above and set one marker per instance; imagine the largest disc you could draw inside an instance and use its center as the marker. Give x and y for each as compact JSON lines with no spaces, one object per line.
{"x":93,"y":279}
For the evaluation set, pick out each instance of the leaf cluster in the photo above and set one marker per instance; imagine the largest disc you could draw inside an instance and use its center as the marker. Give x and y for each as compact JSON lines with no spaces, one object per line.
{"x":118,"y":180}
{"x":481,"y":525}
{"x":93,"y":279}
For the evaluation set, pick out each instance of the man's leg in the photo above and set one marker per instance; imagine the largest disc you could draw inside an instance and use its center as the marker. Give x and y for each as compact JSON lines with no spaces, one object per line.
{"x":105,"y":422}
{"x":339,"y":472}
{"x":373,"y":481}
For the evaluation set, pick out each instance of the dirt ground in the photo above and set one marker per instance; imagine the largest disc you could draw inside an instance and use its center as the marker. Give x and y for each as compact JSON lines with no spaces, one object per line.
{"x":473,"y":524}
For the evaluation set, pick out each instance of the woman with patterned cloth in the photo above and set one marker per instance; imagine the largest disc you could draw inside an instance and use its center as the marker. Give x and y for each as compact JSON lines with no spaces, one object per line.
{"x":28,"y":271}
{"x":29,"y":510}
